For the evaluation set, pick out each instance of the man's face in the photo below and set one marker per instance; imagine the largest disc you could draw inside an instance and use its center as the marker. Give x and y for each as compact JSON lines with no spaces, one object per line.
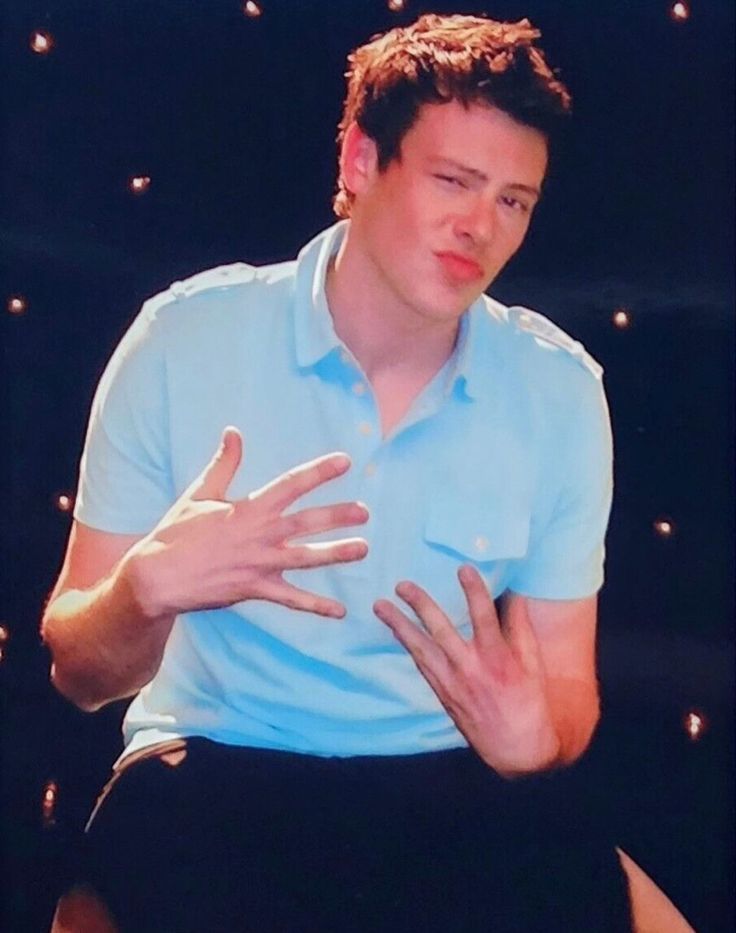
{"x":439,"y":224}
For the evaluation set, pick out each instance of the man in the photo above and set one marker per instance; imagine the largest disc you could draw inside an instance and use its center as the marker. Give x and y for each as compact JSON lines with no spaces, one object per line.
{"x":303,"y":752}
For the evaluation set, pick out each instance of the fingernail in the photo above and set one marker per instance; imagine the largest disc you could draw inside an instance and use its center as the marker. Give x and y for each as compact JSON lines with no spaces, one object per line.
{"x":342,"y":461}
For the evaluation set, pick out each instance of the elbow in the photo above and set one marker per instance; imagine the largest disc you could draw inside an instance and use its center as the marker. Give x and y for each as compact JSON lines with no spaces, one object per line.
{"x":74,"y":691}
{"x":575,"y":742}
{"x":66,"y":677}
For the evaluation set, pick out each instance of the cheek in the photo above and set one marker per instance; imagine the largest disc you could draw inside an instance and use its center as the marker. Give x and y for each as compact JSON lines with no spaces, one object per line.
{"x":515,"y":235}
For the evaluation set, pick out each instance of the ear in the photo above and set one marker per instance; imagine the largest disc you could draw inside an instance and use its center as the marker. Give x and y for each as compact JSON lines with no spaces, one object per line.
{"x":358,"y":159}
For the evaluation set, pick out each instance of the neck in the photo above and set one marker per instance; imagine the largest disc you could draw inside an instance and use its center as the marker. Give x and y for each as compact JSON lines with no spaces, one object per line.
{"x":383,"y":332}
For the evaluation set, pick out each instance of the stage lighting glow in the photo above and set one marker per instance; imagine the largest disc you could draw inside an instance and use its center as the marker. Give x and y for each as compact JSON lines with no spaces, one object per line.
{"x":252,"y":9}
{"x":396,"y":6}
{"x":621,"y":318}
{"x":64,"y":502}
{"x":664,"y":527}
{"x":695,"y":724}
{"x":138,"y":184}
{"x":41,"y":42}
{"x":680,"y":11}
{"x":48,"y":803}
{"x":4,"y":634}
{"x":17,"y":304}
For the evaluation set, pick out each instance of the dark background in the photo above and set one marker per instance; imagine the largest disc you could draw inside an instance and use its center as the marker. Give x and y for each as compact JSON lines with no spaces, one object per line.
{"x":234,"y":120}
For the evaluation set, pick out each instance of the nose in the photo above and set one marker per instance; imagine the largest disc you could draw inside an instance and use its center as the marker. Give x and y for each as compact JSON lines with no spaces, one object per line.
{"x":477,"y":223}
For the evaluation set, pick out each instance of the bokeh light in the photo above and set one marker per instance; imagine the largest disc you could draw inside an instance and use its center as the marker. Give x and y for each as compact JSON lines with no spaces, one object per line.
{"x":138,"y":184}
{"x":680,"y":11}
{"x":41,"y":42}
{"x":252,"y":9}
{"x":17,"y":304}
{"x":664,"y":527}
{"x":695,"y":723}
{"x":48,"y":803}
{"x":621,"y":318}
{"x":64,"y":502}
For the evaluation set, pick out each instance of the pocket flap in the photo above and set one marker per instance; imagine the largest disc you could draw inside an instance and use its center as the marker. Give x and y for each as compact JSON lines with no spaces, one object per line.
{"x":475,"y":533}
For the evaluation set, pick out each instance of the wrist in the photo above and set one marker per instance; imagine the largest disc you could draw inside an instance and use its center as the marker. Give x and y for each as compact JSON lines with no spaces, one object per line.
{"x":140,"y":587}
{"x":534,"y":749}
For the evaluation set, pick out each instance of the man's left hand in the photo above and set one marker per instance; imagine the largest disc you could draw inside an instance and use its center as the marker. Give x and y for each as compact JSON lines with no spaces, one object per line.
{"x":493,"y":686}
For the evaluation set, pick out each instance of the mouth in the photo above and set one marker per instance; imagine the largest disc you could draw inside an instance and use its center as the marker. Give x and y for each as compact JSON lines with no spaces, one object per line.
{"x":460,"y":268}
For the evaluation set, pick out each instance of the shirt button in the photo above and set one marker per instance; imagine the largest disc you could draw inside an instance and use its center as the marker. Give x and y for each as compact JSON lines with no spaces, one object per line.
{"x":481,"y":544}
{"x":370,"y":469}
{"x":365,"y":427}
{"x":359,"y":388}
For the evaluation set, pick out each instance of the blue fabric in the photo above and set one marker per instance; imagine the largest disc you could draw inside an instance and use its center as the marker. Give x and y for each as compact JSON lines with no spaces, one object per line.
{"x":504,"y":461}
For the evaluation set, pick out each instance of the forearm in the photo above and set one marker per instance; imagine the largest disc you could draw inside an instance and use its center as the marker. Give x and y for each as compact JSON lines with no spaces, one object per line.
{"x":104,"y":643}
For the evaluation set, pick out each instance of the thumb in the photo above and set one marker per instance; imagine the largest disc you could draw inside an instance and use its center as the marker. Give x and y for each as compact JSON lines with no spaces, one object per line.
{"x":214,"y":480}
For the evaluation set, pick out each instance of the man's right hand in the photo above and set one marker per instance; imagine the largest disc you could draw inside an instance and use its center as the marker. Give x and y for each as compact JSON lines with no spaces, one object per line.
{"x":208,"y":552}
{"x":109,"y":617}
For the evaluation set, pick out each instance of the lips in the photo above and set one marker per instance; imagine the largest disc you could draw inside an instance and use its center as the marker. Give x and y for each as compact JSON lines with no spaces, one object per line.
{"x":459,"y":268}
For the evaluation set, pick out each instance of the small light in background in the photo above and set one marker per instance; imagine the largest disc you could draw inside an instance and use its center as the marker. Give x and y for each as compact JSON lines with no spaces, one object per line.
{"x":621,"y":318}
{"x":695,"y":724}
{"x":17,"y":304}
{"x":396,"y":6}
{"x":64,"y":502}
{"x":664,"y":527}
{"x":48,"y":804}
{"x":139,"y":184}
{"x":252,"y":9}
{"x":680,"y":11}
{"x":4,"y":638}
{"x":41,"y":42}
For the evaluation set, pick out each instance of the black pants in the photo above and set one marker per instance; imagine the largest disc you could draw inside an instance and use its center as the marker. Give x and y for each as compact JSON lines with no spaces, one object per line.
{"x":237,"y":839}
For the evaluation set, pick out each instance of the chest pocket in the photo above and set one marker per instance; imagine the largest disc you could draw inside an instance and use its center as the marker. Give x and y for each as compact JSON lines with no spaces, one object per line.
{"x":482,"y":532}
{"x":477,"y":535}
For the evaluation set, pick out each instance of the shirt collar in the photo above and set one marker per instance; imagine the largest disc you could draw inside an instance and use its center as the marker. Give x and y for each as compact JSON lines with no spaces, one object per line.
{"x":473,"y":360}
{"x":477,"y":360}
{"x":314,"y":330}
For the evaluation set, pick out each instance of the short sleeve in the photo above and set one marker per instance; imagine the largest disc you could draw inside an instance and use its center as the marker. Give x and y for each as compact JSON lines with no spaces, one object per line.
{"x":125,"y":483}
{"x":566,"y":550}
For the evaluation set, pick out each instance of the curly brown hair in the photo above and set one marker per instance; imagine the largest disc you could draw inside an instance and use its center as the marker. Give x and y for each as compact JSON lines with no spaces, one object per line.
{"x":442,"y":58}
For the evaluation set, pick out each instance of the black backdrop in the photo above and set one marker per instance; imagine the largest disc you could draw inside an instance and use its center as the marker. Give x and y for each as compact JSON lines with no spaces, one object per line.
{"x":233,"y":119}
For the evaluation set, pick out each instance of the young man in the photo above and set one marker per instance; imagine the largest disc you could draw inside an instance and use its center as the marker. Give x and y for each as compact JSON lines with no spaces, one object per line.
{"x":333,"y":733}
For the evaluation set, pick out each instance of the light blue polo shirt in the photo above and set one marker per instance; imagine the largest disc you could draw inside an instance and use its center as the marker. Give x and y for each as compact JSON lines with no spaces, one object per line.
{"x":503,"y":461}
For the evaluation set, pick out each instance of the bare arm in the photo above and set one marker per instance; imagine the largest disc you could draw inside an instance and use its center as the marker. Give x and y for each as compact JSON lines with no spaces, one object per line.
{"x":565,"y":630}
{"x":103,"y":648}
{"x":522,"y":690}
{"x":113,"y":607}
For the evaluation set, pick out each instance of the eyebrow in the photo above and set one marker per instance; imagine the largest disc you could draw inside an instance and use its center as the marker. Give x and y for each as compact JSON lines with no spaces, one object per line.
{"x":481,"y":176}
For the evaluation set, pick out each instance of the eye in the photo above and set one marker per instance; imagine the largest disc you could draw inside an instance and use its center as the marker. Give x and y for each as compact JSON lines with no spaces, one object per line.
{"x":515,"y":204}
{"x":451,"y":181}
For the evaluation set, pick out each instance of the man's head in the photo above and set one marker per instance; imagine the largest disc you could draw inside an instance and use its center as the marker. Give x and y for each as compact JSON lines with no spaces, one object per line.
{"x":439,"y":59}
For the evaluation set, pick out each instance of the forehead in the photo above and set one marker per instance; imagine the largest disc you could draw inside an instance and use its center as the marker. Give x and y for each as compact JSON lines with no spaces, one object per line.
{"x":477,"y":133}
